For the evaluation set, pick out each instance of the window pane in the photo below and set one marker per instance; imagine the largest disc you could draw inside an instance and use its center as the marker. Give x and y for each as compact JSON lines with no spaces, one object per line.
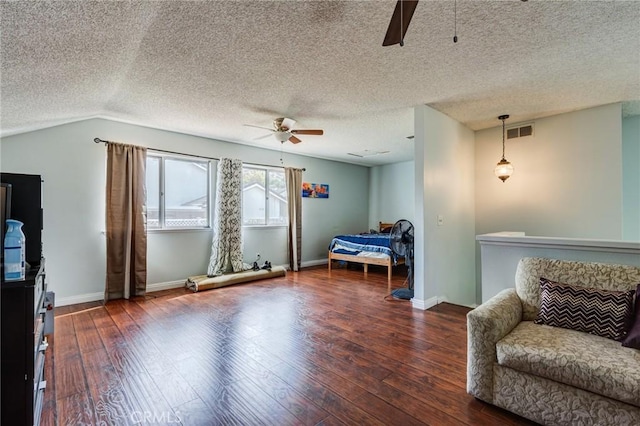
{"x":185,"y":193}
{"x":277,"y":198}
{"x":153,"y":192}
{"x":253,"y":196}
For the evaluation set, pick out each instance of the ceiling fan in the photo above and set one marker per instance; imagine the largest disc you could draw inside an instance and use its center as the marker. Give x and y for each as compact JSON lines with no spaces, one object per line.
{"x":401,"y":17}
{"x":283,"y":130}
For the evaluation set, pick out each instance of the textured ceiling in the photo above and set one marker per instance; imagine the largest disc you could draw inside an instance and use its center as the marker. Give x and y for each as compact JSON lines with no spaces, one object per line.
{"x":208,"y":67}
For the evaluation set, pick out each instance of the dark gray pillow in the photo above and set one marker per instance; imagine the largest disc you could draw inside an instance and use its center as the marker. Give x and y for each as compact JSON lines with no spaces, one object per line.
{"x":633,"y":336}
{"x":601,"y":312}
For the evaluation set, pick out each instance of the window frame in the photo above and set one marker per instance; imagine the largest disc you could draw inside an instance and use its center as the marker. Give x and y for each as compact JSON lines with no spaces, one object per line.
{"x":266,"y":169}
{"x":161,"y":188}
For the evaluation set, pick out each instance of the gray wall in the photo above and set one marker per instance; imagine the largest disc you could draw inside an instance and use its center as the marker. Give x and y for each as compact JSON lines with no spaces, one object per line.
{"x":596,"y":195}
{"x":391,"y":193}
{"x":444,"y":187}
{"x":73,"y":168}
{"x":631,"y":178}
{"x":567,"y":180}
{"x":577,"y":177}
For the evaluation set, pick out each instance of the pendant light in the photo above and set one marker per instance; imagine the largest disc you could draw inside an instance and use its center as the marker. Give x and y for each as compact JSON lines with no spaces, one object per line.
{"x":504,"y":169}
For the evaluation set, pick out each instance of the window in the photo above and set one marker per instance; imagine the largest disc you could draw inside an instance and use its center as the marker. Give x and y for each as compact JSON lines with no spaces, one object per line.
{"x":177,"y":192}
{"x":264,"y":197}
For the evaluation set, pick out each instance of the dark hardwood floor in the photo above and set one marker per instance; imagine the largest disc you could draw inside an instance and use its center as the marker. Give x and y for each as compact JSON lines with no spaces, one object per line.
{"x":305,"y":349}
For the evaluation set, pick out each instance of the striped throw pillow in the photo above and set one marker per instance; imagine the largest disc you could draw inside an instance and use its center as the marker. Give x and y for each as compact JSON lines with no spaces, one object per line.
{"x":601,"y":312}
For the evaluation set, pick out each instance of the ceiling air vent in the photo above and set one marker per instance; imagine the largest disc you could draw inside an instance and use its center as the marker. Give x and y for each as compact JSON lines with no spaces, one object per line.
{"x":367,"y":153}
{"x":520,"y":131}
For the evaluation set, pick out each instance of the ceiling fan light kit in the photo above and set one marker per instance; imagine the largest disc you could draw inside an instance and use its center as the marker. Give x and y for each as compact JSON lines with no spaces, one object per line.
{"x":282,"y":136}
{"x":504,"y":169}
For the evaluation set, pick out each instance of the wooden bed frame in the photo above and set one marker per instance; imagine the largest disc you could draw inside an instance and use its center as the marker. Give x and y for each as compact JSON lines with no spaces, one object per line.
{"x":366,"y":261}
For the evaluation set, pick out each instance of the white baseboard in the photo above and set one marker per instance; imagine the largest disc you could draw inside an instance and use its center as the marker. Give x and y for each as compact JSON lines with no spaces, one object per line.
{"x":433,"y":301}
{"x":442,"y":299}
{"x":94,"y":297}
{"x":424,"y":304}
{"x":316,"y":262}
{"x":81,"y":298}
{"x":165,"y":286}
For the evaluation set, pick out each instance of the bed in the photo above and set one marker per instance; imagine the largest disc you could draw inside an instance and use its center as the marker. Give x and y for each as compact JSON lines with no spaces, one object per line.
{"x":367,"y":249}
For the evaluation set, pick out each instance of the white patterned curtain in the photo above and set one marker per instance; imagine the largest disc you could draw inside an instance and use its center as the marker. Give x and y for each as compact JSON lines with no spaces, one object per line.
{"x":294,"y":205}
{"x":226,"y":248}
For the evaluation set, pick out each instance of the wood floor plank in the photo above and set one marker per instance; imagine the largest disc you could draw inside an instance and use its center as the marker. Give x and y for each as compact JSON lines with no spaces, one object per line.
{"x":75,"y":409}
{"x":86,"y":333}
{"x":67,"y":344}
{"x":174,"y":388}
{"x":111,"y":337}
{"x":146,"y":399}
{"x":386,"y":412}
{"x":104,"y":386}
{"x":302,"y":375}
{"x":330,"y":421}
{"x":195,"y":413}
{"x":279,"y":390}
{"x":70,"y":376}
{"x":243,"y":401}
{"x":306,"y":349}
{"x":113,"y":407}
{"x":125,"y":361}
{"x":63,"y":325}
{"x":337,"y":403}
{"x":433,"y":394}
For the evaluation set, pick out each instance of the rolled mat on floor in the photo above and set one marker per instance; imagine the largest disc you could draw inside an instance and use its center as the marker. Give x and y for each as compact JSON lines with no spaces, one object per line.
{"x":203,"y":282}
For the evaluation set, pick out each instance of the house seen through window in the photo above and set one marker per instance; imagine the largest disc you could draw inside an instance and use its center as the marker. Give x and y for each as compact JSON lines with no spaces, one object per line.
{"x":177,"y":192}
{"x":264,"y":197}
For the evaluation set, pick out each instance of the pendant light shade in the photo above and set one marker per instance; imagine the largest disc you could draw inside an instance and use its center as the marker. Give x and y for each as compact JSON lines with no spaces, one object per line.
{"x":503,"y":169}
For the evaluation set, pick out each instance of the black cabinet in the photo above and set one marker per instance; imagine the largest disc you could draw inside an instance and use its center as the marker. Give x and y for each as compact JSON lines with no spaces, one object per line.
{"x":23,"y":348}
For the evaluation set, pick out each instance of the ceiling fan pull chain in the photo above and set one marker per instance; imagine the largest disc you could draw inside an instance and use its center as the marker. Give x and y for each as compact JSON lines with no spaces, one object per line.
{"x":455,"y":21}
{"x":281,"y":162}
{"x":401,"y":35}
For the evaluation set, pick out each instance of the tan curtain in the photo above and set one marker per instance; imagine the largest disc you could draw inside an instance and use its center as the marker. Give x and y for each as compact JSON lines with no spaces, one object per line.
{"x":126,"y":222}
{"x":294,"y":205}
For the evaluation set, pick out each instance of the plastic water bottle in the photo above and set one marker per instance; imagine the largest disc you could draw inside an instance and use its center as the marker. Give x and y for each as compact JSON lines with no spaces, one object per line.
{"x":14,"y":251}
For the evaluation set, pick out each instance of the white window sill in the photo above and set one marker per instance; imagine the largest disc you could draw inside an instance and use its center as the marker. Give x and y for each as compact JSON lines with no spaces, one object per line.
{"x":170,"y":230}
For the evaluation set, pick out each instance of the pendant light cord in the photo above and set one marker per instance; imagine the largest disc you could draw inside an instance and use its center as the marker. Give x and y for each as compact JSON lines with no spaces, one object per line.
{"x":503,"y":118}
{"x":503,"y":138}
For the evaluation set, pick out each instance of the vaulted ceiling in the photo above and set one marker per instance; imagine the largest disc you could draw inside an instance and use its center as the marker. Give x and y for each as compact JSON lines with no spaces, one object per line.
{"x":209,"y":67}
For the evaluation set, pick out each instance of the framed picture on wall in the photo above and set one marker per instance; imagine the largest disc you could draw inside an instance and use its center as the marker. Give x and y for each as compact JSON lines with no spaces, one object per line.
{"x":315,"y":190}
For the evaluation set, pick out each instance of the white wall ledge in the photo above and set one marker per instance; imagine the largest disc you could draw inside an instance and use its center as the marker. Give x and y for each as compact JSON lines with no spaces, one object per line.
{"x":500,"y":253}
{"x":521,"y":240}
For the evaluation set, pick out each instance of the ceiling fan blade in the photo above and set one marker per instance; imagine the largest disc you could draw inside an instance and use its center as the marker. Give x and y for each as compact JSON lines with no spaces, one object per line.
{"x":293,"y":139}
{"x":399,"y":23}
{"x":263,"y":136}
{"x":308,"y":132}
{"x":259,"y":127}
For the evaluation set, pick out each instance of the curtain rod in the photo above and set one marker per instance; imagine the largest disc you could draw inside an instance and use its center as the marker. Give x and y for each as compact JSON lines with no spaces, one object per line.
{"x":98,"y":140}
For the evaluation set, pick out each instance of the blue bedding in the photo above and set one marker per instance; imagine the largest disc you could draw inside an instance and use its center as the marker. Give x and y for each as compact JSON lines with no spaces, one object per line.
{"x":355,"y":244}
